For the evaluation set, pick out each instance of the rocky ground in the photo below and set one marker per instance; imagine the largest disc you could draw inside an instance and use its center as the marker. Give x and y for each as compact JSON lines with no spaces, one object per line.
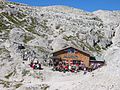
{"x":42,"y":30}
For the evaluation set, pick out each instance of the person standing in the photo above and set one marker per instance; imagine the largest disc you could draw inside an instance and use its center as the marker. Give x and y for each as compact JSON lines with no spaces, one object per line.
{"x":85,"y":70}
{"x":69,"y":67}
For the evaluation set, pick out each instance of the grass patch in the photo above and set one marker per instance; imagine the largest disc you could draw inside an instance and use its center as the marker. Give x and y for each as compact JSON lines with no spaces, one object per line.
{"x":2,"y":6}
{"x":27,"y":38}
{"x":9,"y":75}
{"x":18,"y":85}
{"x":20,"y":15}
{"x":97,"y":47}
{"x":31,"y":27}
{"x":3,"y":50}
{"x":43,"y":24}
{"x":5,"y":83}
{"x":44,"y":87}
{"x":13,"y":19}
{"x":25,"y":72}
{"x":69,"y":38}
{"x":41,"y":49}
{"x":2,"y":26}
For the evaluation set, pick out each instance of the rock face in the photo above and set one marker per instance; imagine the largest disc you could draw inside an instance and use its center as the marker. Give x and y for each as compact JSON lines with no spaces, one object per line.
{"x":41,"y":30}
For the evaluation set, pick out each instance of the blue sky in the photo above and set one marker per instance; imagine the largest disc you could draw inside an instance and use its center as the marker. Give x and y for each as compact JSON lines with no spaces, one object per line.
{"x":87,"y":5}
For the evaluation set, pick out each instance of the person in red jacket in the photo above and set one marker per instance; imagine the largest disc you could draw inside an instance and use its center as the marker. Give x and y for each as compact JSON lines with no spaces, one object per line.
{"x":33,"y":66}
{"x":66,"y":67}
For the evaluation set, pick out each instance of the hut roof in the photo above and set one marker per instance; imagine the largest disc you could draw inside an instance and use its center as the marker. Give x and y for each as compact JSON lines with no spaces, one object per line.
{"x":80,"y":50}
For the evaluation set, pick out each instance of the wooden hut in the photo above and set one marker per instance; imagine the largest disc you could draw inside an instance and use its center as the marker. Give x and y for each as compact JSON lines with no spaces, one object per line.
{"x":76,"y":56}
{"x":72,"y":55}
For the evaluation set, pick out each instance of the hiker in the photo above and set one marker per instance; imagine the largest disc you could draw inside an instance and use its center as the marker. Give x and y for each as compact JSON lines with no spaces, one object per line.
{"x":85,"y":70}
{"x":66,"y":67}
{"x":40,"y":66}
{"x":66,"y":61}
{"x":31,"y":63}
{"x":69,"y":67}
{"x":71,"y":62}
{"x":77,"y":67}
{"x":36,"y":66}
{"x":50,"y":63}
{"x":94,"y":66}
{"x":33,"y":66}
{"x":98,"y":65}
{"x":73,"y":68}
{"x":61,"y":67}
{"x":35,"y":61}
{"x":83,"y":66}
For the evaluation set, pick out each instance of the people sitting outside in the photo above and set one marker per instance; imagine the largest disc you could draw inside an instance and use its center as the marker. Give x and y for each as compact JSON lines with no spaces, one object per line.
{"x":64,"y":66}
{"x":73,"y":68}
{"x":81,"y":66}
{"x":85,"y":70}
{"x":94,"y":66}
{"x":69,"y":68}
{"x":77,"y":68}
{"x":90,"y":68}
{"x":50,"y":63}
{"x":39,"y":66}
{"x":35,"y":64}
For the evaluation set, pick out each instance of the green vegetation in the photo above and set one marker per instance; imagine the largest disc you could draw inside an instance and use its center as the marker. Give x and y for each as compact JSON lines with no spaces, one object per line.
{"x":97,"y":48}
{"x":103,"y":48}
{"x":21,"y":15}
{"x":43,"y":24}
{"x":69,"y":38}
{"x":11,"y":18}
{"x":3,"y":50}
{"x":31,"y":27}
{"x":13,"y":3}
{"x":9,"y":75}
{"x":44,"y":87}
{"x":94,"y":49}
{"x":27,"y":38}
{"x":41,"y":49}
{"x":25,"y":72}
{"x":3,"y":23}
{"x":34,"y":21}
{"x":1,"y":65}
{"x":5,"y":83}
{"x":18,"y":85}
{"x":2,"y":26}
{"x":2,"y":6}
{"x":91,"y":48}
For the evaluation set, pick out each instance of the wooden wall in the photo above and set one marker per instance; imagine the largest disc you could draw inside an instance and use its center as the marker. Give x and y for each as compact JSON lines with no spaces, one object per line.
{"x":73,"y":56}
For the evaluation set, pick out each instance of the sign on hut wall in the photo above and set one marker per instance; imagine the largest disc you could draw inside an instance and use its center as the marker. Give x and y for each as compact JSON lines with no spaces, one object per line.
{"x":71,"y":56}
{"x":70,"y":51}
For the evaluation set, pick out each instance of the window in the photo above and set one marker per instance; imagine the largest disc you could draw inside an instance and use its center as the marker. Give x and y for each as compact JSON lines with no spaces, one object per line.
{"x":76,"y":62}
{"x":71,"y":50}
